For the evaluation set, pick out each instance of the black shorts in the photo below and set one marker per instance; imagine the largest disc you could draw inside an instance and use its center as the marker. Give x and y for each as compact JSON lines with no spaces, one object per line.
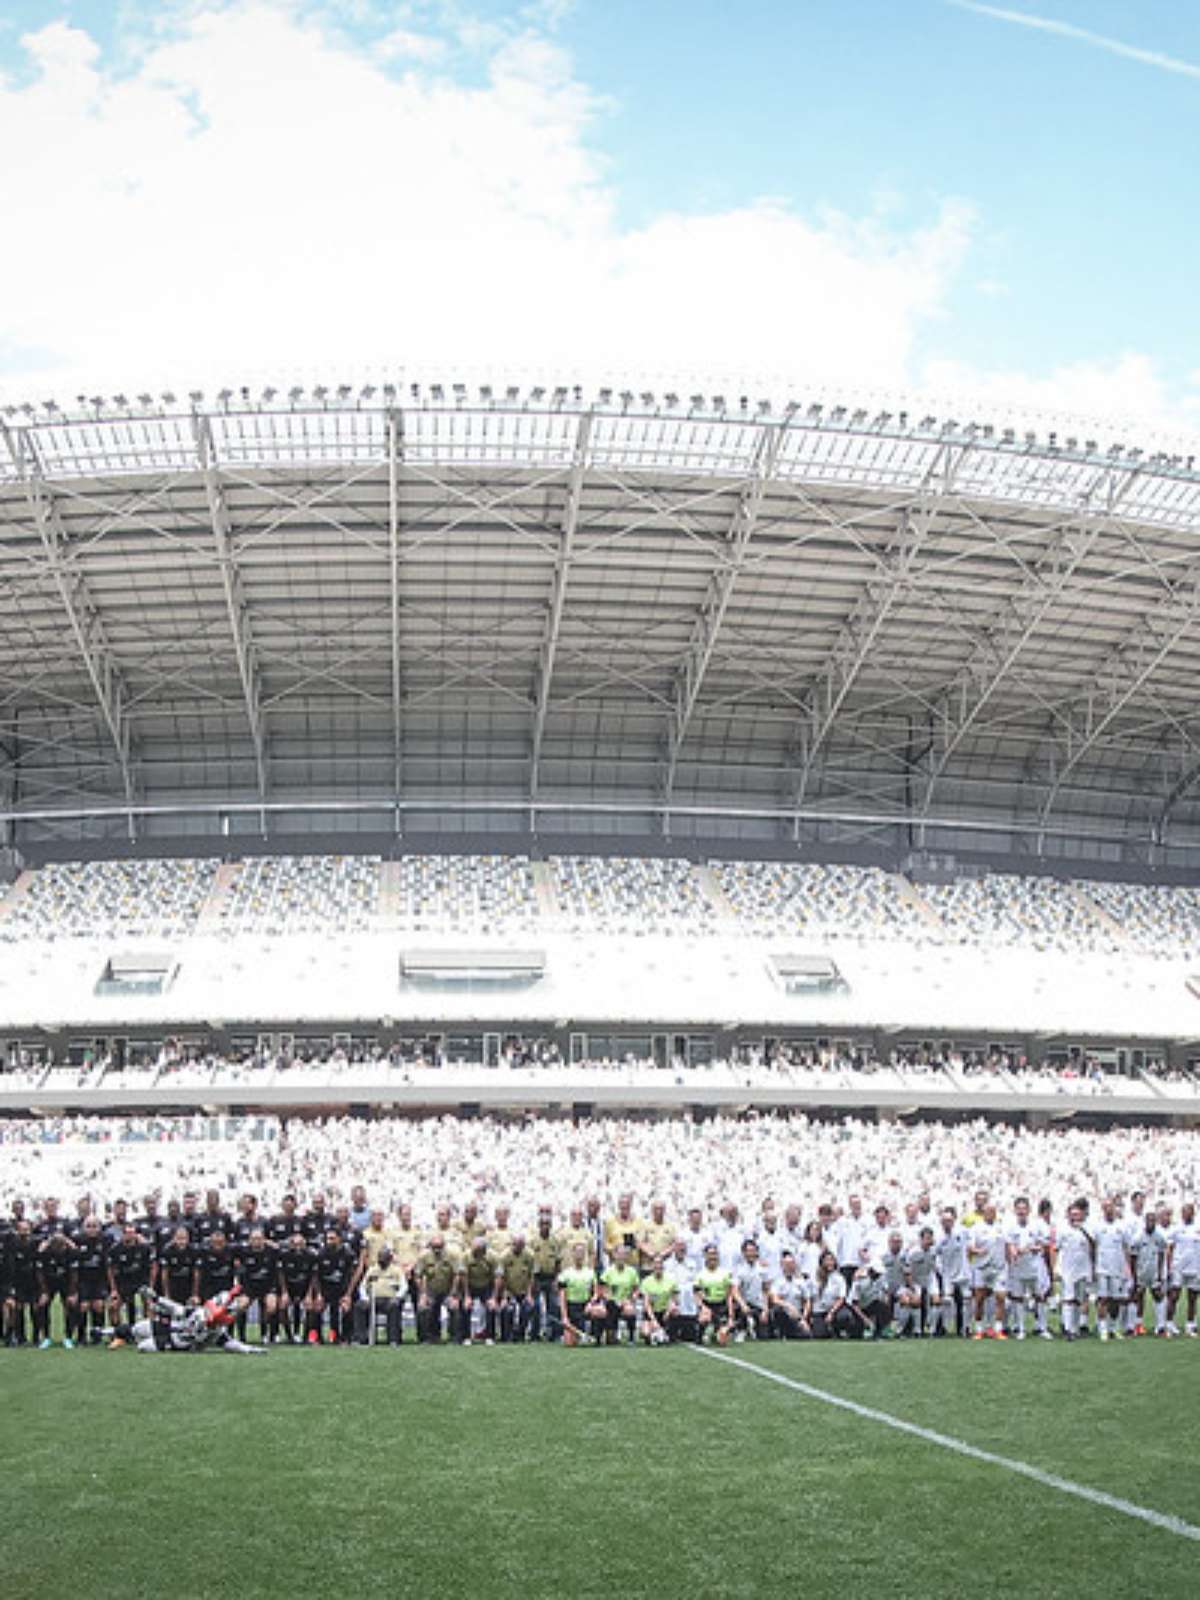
{"x":127,"y":1290}
{"x":577,"y":1314}
{"x":93,"y":1289}
{"x":257,"y":1293}
{"x":297,"y":1291}
{"x":24,"y":1292}
{"x":720,"y":1312}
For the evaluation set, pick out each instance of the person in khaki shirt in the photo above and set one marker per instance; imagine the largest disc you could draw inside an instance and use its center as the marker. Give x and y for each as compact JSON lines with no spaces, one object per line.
{"x":470,"y":1224}
{"x":548,"y":1258}
{"x":479,"y":1272}
{"x":384,"y":1288}
{"x":499,"y":1237}
{"x":377,"y":1236}
{"x":438,"y":1285}
{"x":623,"y":1228}
{"x":514,"y":1290}
{"x":449,"y":1232}
{"x":576,"y":1232}
{"x":657,"y":1236}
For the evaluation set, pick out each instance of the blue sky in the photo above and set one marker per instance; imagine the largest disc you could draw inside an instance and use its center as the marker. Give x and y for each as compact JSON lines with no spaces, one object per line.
{"x":939,"y":198}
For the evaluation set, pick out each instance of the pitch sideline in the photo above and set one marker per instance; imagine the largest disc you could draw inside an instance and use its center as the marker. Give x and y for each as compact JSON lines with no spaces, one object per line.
{"x":1048,"y":1480}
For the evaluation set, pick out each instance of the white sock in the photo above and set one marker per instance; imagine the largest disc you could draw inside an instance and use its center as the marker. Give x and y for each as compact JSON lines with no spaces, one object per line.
{"x":1160,"y":1315}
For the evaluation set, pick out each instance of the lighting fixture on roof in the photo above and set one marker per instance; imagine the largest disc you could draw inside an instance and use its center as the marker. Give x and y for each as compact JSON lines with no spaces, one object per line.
{"x":814,"y":413}
{"x":50,"y":406}
{"x":626,"y":399}
{"x":168,"y":399}
{"x":344,"y":391}
{"x":764,"y":408}
{"x":838,"y":414}
{"x":647,"y":398}
{"x":120,"y":400}
{"x":512,"y":393}
{"x":606,"y":397}
{"x":485,"y":393}
{"x":460,"y":390}
{"x":367,"y":392}
{"x":269,"y":394}
{"x":537,"y":394}
{"x":670,"y":400}
{"x":438,"y":393}
{"x":927,"y":423}
{"x":295,"y":393}
{"x":321,"y":393}
{"x":859,"y":417}
{"x":225,"y":396}
{"x":560,"y":396}
{"x":697,"y":402}
{"x":145,"y":400}
{"x":196,"y":396}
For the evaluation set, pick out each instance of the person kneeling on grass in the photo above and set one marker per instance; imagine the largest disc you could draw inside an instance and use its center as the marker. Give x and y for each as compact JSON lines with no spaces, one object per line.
{"x":832,"y":1318}
{"x":714,"y":1291}
{"x":619,"y":1286}
{"x":658,"y":1304}
{"x":790,"y":1300}
{"x":578,"y":1301}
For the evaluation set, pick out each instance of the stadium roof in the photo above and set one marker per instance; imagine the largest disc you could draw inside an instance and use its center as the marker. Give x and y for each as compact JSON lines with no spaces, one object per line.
{"x":712,"y":616}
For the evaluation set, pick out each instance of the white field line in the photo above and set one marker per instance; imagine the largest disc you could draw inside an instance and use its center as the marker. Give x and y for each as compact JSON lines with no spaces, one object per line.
{"x":1048,"y":1480}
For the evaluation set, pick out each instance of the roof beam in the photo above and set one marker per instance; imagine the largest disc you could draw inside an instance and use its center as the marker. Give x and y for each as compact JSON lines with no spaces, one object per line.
{"x":1119,"y":677}
{"x":690,"y":674}
{"x":999,"y":646}
{"x":558,"y":595}
{"x":235,"y":602}
{"x":856,"y":640}
{"x":83,"y":618}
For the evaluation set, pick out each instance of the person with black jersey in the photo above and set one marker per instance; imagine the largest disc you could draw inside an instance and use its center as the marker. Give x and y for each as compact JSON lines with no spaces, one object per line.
{"x":20,"y":1281}
{"x":175,"y":1269}
{"x":216,"y":1267}
{"x":130,"y":1264}
{"x":212,"y":1220}
{"x":297,"y":1263}
{"x":337,"y":1277}
{"x":247,"y":1219}
{"x":114,"y":1228}
{"x":91,"y":1266}
{"x":285,"y":1222}
{"x":316,"y":1221}
{"x":258,"y":1274}
{"x":57,"y":1280}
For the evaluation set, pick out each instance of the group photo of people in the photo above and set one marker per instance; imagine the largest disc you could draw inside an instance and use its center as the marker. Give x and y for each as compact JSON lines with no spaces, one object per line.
{"x":193,"y":1273}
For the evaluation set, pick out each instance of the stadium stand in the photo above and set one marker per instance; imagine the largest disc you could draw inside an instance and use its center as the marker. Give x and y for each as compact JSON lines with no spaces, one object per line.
{"x":836,"y":902}
{"x":141,"y":898}
{"x":624,"y":894}
{"x":468,"y":894}
{"x":303,"y":894}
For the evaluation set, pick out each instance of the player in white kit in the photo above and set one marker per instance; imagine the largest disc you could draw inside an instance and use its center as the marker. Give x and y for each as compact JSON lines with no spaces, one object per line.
{"x":1026,"y":1242}
{"x":1148,"y":1252}
{"x":988,"y":1258}
{"x":1076,"y":1255}
{"x":1183,"y":1262}
{"x":1114,"y":1269}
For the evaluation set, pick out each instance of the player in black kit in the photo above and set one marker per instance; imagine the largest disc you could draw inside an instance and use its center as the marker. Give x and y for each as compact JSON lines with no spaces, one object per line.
{"x":20,"y":1279}
{"x":57,"y":1280}
{"x":216,"y":1267}
{"x":297,"y":1263}
{"x":91,"y":1266}
{"x":337,"y":1275}
{"x":129,"y":1263}
{"x":175,"y":1275}
{"x":258,"y":1273}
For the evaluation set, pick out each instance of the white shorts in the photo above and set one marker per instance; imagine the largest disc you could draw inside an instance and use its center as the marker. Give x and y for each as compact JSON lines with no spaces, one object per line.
{"x":1150,"y":1281}
{"x":1077,"y":1289}
{"x":1188,"y":1280}
{"x":987,"y":1278}
{"x":1023,"y":1287}
{"x":1112,"y":1285}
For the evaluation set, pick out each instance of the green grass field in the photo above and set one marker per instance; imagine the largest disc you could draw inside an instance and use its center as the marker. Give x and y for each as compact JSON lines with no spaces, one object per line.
{"x":543,"y":1471}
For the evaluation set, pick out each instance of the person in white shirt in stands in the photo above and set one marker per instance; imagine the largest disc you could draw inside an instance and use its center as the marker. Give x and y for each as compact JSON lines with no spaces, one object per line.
{"x":1076,"y":1252}
{"x":1025,"y":1241}
{"x":1184,"y":1264}
{"x":986,"y":1252}
{"x":696,"y":1238}
{"x":1148,"y":1251}
{"x":954,"y":1273}
{"x":1113,"y":1268}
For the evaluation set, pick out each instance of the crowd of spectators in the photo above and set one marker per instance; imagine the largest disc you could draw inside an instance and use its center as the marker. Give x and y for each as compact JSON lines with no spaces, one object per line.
{"x":524,"y":1163}
{"x":1004,"y":909}
{"x":786,"y":898}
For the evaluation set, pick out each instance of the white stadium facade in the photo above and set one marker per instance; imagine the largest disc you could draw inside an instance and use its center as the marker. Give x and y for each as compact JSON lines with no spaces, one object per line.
{"x":725,"y":745}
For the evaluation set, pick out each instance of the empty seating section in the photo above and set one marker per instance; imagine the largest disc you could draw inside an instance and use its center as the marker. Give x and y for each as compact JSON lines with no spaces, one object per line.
{"x":468,"y":894}
{"x":785,"y":898}
{"x":303,"y":894}
{"x":1002,"y":909}
{"x":111,"y":899}
{"x":624,"y":894}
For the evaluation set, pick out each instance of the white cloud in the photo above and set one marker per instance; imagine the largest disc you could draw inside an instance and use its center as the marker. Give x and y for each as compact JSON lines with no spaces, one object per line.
{"x":259,"y":192}
{"x":254,"y":197}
